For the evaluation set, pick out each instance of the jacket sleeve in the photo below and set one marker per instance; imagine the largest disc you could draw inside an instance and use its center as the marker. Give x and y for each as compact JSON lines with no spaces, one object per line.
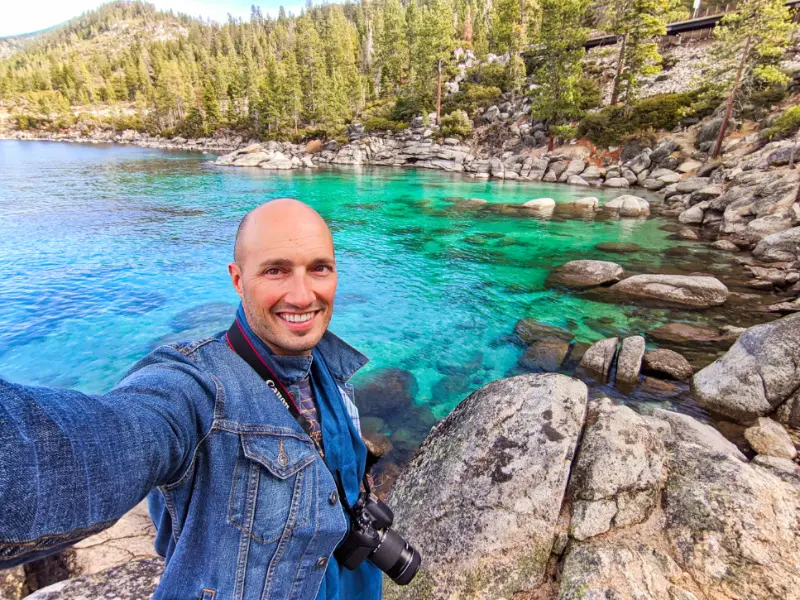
{"x":72,"y":464}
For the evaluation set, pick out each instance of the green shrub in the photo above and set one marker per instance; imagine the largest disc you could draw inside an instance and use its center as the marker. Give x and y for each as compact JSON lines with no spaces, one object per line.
{"x":611,"y":125}
{"x":381,"y":124}
{"x":563,"y":132}
{"x":768,"y":97}
{"x":379,"y":108}
{"x":457,"y":124}
{"x":704,"y":102}
{"x":471,"y":98}
{"x":785,"y":126}
{"x":663,"y":111}
{"x":408,"y":107}
{"x":606,"y":127}
{"x":493,"y":75}
{"x":590,"y":94}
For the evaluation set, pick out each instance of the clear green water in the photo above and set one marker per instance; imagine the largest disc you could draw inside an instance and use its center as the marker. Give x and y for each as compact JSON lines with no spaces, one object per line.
{"x":106,"y":252}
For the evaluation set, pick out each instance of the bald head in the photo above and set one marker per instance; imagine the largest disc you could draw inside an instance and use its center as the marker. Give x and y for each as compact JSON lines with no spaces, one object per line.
{"x":284,"y":271}
{"x":275,"y":219}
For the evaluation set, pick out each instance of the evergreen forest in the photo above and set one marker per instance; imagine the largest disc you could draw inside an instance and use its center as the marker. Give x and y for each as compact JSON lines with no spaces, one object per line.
{"x":127,"y":65}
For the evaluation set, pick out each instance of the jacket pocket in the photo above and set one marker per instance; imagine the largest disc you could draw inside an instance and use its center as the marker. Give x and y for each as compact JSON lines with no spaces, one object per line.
{"x":271,"y":488}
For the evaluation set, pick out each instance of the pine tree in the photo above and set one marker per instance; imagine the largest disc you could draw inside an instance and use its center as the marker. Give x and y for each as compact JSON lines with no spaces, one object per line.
{"x":312,"y":68}
{"x":558,"y":95}
{"x":750,"y":44}
{"x":392,"y":47}
{"x":639,"y":23}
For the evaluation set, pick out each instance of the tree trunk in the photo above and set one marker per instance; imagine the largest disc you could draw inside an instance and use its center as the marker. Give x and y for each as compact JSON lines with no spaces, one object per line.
{"x":551,"y":142}
{"x":620,"y":65}
{"x":439,"y":95}
{"x":731,"y":99}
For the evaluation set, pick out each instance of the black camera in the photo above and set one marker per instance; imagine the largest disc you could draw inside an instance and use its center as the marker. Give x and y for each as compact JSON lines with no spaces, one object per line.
{"x":371,"y":537}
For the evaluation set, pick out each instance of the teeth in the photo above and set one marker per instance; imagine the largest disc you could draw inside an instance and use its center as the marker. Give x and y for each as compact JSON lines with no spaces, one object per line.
{"x":297,"y":318}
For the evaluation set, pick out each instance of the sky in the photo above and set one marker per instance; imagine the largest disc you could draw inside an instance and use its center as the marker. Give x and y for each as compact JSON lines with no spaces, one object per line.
{"x":21,"y":17}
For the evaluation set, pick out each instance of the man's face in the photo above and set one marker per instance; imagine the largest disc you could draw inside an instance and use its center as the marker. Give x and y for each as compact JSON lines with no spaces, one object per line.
{"x":286,"y":277}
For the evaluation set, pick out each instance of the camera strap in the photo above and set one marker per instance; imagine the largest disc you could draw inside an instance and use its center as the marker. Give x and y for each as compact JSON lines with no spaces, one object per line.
{"x":238,"y":342}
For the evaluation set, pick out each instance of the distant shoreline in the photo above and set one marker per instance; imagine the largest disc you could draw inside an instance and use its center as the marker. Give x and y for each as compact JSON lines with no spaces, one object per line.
{"x":210,"y":146}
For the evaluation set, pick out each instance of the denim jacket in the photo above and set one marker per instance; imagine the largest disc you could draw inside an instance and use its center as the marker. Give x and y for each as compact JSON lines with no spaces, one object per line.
{"x":244,"y":505}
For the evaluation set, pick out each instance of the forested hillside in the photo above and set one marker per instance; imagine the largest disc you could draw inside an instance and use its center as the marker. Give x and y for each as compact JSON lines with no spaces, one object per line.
{"x":127,"y":65}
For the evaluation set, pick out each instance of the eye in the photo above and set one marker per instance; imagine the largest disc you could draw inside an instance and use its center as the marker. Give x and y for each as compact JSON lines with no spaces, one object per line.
{"x":323,"y":269}
{"x":272,"y":271}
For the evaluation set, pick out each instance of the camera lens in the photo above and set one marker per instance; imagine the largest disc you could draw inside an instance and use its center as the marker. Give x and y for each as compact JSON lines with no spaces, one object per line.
{"x":397,"y":558}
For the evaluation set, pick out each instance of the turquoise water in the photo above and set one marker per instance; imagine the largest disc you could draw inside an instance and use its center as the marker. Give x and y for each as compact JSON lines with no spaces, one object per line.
{"x":106,"y":252}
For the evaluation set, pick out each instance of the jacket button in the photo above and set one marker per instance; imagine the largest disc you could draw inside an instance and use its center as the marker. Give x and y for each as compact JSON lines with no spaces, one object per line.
{"x":322,"y":562}
{"x":333,"y":498}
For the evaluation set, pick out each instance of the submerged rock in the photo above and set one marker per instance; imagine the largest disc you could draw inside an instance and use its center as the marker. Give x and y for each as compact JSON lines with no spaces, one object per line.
{"x":686,"y":334}
{"x":497,"y":469}
{"x":681,"y":290}
{"x":545,"y":355}
{"x":758,"y":374}
{"x":212,"y":316}
{"x":578,"y":274}
{"x":386,"y":392}
{"x":667,"y":362}
{"x":618,"y":247}
{"x":530,"y":330}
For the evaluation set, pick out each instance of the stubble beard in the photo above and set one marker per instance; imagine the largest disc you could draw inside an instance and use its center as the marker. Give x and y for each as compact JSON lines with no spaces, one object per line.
{"x":266,"y":325}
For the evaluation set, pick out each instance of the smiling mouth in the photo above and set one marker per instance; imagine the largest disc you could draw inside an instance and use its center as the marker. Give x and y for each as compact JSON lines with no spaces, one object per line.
{"x":298,"y":317}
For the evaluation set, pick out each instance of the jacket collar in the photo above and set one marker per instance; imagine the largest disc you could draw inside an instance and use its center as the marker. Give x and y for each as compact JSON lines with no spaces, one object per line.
{"x":342,"y":359}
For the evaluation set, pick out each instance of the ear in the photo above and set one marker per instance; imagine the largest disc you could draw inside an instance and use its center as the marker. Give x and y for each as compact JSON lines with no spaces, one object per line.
{"x":236,"y":278}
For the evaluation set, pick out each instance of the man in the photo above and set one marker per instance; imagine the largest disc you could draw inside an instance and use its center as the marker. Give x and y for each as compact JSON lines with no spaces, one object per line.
{"x":247,"y":499}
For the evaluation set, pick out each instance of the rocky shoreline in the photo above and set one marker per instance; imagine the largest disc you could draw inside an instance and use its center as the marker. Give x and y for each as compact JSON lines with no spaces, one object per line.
{"x":533,"y":487}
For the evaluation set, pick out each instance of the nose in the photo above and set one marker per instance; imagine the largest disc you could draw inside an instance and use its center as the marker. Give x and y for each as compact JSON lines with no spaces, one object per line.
{"x":300,"y":293}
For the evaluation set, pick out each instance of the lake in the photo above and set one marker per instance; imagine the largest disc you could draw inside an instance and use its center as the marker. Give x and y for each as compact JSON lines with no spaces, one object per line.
{"x":109,"y":251}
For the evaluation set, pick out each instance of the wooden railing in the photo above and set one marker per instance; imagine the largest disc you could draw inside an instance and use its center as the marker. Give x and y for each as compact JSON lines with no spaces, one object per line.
{"x":699,"y":26}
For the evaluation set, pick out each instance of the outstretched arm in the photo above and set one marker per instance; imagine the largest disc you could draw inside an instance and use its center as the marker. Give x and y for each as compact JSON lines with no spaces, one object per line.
{"x":71,"y":464}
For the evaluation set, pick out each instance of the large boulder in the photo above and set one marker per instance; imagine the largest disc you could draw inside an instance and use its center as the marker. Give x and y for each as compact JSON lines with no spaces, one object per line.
{"x":628,"y":206}
{"x":574,"y":167}
{"x":616,"y":182}
{"x":12,"y":583}
{"x":680,"y":290}
{"x":543,"y":204}
{"x":135,"y":580}
{"x":710,"y":525}
{"x":599,"y":357}
{"x":251,"y":159}
{"x":730,"y":526}
{"x":482,"y":496}
{"x":783,"y":246}
{"x":758,"y":374}
{"x":757,"y":204}
{"x":614,"y":482}
{"x":578,"y":274}
{"x":629,"y":362}
{"x":770,"y":438}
